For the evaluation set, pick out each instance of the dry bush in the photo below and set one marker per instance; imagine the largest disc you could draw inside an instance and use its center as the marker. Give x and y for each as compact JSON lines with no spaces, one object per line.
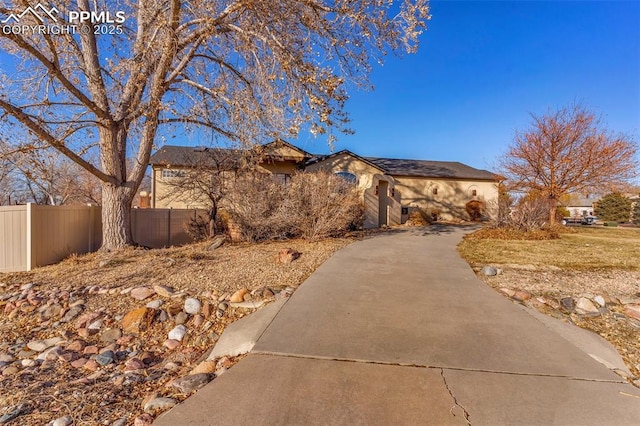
{"x":419,"y":217}
{"x":475,"y":209}
{"x":320,"y":204}
{"x":198,"y":228}
{"x":310,"y":206}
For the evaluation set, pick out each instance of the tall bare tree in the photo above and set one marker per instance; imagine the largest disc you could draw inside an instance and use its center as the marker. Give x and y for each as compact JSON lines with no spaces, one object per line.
{"x":248,"y":70}
{"x":566,"y":151}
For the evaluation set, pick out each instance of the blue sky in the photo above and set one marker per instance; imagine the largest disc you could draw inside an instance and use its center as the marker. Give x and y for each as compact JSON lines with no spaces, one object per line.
{"x":484,"y":66}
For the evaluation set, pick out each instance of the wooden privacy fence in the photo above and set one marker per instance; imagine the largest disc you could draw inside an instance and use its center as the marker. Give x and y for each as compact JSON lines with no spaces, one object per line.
{"x":34,"y":235}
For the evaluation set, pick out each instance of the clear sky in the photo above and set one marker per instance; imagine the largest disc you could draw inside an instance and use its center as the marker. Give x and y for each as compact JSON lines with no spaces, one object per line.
{"x":484,"y":66}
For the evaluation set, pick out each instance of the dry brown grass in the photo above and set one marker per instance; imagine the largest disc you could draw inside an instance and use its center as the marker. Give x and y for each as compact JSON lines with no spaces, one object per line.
{"x":586,"y":248}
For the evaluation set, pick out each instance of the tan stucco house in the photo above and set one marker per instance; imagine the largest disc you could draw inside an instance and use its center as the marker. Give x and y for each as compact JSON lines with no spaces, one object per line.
{"x":390,"y":188}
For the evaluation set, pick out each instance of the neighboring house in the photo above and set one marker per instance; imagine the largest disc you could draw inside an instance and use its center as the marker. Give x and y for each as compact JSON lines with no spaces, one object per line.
{"x":390,"y":188}
{"x":582,"y":204}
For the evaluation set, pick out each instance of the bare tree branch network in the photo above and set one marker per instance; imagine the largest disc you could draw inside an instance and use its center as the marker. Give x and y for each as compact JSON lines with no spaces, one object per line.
{"x":246,"y":70}
{"x":568,"y":151}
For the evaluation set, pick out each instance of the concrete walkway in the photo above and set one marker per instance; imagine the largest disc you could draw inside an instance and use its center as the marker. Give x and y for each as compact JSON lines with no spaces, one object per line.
{"x":398,"y":330}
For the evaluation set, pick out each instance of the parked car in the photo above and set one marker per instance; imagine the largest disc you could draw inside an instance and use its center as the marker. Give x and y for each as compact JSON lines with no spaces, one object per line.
{"x":579,"y":220}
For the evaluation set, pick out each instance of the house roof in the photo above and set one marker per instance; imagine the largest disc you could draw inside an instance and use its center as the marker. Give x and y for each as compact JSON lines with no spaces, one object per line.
{"x":435,"y":169}
{"x":418,"y":168}
{"x":173,"y":155}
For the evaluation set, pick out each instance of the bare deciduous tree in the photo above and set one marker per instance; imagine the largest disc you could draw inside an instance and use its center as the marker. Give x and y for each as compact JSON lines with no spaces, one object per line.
{"x":248,"y":70}
{"x":568,"y":151}
{"x":44,"y":176}
{"x":206,"y":177}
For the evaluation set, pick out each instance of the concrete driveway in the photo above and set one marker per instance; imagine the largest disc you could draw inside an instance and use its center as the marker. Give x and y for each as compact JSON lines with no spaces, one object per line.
{"x":397,"y":329}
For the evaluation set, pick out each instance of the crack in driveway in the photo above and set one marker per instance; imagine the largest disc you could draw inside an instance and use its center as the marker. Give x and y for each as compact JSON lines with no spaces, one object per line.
{"x":465,"y":413}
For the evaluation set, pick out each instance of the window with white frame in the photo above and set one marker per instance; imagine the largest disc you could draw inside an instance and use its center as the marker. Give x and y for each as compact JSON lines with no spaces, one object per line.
{"x":173,"y":173}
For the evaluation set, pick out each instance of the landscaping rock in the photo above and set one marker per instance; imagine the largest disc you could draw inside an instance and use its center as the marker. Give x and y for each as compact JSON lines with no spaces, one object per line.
{"x":71,"y":314}
{"x":61,"y":421}
{"x":288,"y":255}
{"x":141,"y":293}
{"x":208,"y":367}
{"x":178,"y":332}
{"x":216,"y":242}
{"x":111,"y":335}
{"x":138,"y":320}
{"x":490,"y":271}
{"x":600,"y":301}
{"x":568,"y":304}
{"x":163,"y":290}
{"x":632,"y":311}
{"x":159,"y":404}
{"x":238,"y":296}
{"x":190,"y":383}
{"x":105,"y":358}
{"x":585,"y":306}
{"x":192,"y":306}
{"x":181,"y":317}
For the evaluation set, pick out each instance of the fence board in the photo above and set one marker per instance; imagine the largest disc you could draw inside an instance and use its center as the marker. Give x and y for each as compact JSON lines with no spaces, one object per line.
{"x":13,"y":238}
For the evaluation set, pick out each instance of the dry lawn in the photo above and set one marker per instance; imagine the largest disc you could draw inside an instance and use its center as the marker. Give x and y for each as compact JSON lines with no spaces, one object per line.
{"x":586,"y":249}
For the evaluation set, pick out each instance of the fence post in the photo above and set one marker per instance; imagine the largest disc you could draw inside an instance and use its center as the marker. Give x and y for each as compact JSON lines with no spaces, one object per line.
{"x":29,"y":237}
{"x":169,"y":228}
{"x":91,"y":225}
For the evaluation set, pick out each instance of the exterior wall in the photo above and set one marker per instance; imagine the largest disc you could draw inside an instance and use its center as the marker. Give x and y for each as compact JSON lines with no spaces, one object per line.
{"x":347,"y":163}
{"x":379,"y":191}
{"x":162,"y":197}
{"x":580,"y":210}
{"x":382,"y":194}
{"x":161,"y":192}
{"x":279,"y":167}
{"x":451,"y":198}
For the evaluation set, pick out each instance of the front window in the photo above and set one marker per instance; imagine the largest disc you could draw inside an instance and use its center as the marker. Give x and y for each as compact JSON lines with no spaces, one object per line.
{"x":172,"y":173}
{"x":349,"y":177}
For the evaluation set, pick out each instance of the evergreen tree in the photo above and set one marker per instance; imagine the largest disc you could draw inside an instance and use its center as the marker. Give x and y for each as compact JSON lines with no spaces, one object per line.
{"x":614,"y":207}
{"x":636,"y":212}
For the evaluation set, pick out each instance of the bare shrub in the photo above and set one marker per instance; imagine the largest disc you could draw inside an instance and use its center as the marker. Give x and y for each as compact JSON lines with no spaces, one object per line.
{"x":310,"y":206}
{"x":252,"y":206}
{"x":320,"y":204}
{"x":530,"y":214}
{"x":198,"y":227}
{"x":419,"y":217}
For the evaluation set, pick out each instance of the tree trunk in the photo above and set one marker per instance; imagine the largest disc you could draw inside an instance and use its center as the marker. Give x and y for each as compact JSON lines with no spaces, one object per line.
{"x":116,"y":216}
{"x":553,"y":204}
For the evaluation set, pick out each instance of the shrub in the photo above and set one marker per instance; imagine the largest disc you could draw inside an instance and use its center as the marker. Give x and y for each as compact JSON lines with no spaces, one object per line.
{"x":475,"y":209}
{"x":311,"y":206}
{"x":198,"y":227}
{"x":418,"y":217}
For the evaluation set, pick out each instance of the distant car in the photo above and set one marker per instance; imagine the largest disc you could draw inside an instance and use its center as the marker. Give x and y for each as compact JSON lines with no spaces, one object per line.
{"x":580,"y":220}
